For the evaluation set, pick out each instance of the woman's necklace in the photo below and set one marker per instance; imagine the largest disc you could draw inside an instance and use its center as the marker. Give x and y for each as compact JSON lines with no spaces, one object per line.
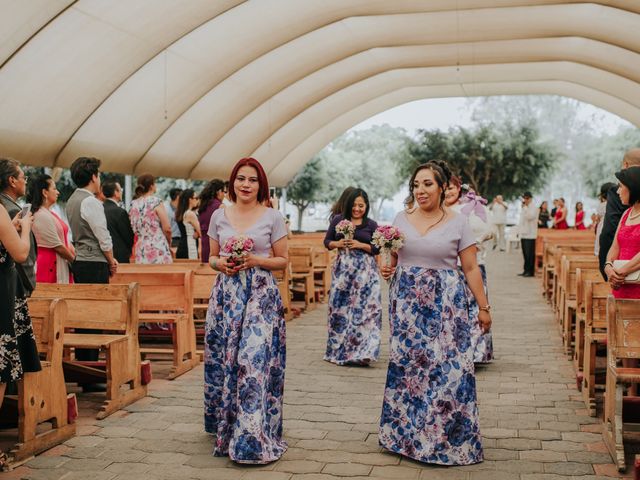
{"x":633,"y":215}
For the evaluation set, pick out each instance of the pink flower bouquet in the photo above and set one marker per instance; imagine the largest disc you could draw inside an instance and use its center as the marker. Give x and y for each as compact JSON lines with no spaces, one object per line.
{"x":388,"y":239}
{"x":236,"y":248}
{"x":346,"y":228}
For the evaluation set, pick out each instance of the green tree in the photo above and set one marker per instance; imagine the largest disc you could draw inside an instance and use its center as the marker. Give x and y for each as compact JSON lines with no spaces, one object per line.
{"x":493,"y":159}
{"x":307,"y":186}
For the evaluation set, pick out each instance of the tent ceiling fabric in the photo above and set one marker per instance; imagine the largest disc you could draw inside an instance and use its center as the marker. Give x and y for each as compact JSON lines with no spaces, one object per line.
{"x":185,"y":88}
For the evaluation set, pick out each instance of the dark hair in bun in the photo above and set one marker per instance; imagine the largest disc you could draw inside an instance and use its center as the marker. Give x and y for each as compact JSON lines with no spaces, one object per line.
{"x":441,"y":172}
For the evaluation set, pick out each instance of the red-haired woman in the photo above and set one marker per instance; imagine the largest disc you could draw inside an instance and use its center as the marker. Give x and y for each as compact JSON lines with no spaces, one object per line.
{"x":245,"y":330}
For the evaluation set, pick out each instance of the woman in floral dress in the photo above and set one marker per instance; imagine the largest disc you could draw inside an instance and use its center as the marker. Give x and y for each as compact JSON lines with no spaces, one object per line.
{"x":355,"y":304}
{"x":18,"y":351}
{"x":430,"y":411}
{"x":150,"y":224}
{"x":245,"y":330}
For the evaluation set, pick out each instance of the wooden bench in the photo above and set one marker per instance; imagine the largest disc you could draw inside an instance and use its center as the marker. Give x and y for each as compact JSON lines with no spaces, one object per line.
{"x":595,"y":334}
{"x":302,"y":274}
{"x":284,"y":280}
{"x":42,"y":396}
{"x":582,"y":276}
{"x":623,"y":320}
{"x":568,"y":292}
{"x":322,"y":260}
{"x":548,"y":234}
{"x":104,"y":307}
{"x":552,"y":254}
{"x":166,"y":297}
{"x":556,"y":273}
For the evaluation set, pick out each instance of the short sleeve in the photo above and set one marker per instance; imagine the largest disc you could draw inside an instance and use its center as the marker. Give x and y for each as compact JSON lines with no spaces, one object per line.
{"x":278,"y":227}
{"x":466,"y":234}
{"x":213,"y":226}
{"x":154,"y":202}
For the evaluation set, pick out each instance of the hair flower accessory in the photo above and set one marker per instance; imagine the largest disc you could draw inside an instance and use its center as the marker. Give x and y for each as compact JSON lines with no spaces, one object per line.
{"x":474,"y":203}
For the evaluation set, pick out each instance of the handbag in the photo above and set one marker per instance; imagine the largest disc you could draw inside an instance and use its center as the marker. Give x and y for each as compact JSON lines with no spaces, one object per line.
{"x":633,"y":277}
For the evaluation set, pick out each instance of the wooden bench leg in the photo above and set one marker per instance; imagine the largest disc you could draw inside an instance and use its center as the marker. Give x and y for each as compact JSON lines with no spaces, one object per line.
{"x":120,"y":372}
{"x":309,"y":292}
{"x":589,"y":379}
{"x":578,"y":352}
{"x":613,"y":421}
{"x":567,"y":328}
{"x":185,"y":356}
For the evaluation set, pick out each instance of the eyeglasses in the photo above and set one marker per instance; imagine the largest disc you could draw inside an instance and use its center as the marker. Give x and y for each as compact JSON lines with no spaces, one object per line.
{"x":22,"y":177}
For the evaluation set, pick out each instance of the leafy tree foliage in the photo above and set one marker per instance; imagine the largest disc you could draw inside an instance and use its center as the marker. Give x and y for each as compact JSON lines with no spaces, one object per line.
{"x":307,"y":186}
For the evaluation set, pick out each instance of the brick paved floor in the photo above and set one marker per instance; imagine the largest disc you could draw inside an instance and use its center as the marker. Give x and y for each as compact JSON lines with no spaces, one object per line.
{"x":532,"y":418}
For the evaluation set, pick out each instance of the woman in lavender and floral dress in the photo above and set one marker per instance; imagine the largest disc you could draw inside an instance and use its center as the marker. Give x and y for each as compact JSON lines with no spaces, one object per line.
{"x":430,"y":411}
{"x":245,"y":330}
{"x":355,"y":304}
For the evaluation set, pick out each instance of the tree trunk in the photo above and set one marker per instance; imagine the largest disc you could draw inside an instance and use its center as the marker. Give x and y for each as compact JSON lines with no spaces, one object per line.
{"x":301,"y":209}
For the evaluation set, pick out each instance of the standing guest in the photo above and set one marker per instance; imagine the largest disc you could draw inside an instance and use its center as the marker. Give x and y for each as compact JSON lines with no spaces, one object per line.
{"x":226,"y":201}
{"x":118,"y":221}
{"x":94,"y":261}
{"x":245,"y":331}
{"x":543,"y":215}
{"x":13,"y":185}
{"x":473,"y":207}
{"x":18,"y":350}
{"x":150,"y":224}
{"x":614,"y":210}
{"x":579,"y":222}
{"x":499,"y":218}
{"x":560,"y":218}
{"x":188,"y":224}
{"x":528,"y":231}
{"x":605,"y":188}
{"x":355,"y":302}
{"x":55,"y":253}
{"x":430,"y":411}
{"x":338,"y":207}
{"x":554,"y":210}
{"x":170,"y":207}
{"x":211,"y":199}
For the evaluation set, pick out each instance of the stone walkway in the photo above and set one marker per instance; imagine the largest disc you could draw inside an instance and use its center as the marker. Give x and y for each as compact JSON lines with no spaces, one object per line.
{"x":532,"y":417}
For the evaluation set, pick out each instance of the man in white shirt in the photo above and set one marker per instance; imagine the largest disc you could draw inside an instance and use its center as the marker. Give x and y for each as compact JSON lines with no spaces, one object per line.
{"x":528,"y":230}
{"x":499,"y":219}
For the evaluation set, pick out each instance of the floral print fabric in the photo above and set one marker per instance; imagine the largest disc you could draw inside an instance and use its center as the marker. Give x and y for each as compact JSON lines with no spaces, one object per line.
{"x":244,"y":367}
{"x":18,"y":350}
{"x":430,"y":410}
{"x":151,"y":245}
{"x":355,"y":309}
{"x":483,"y":350}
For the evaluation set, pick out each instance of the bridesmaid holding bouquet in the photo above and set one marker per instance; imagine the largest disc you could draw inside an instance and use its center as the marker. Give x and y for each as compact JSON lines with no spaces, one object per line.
{"x":355,"y":303}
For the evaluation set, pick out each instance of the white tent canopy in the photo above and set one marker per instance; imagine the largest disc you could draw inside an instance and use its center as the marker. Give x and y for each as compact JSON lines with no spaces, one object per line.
{"x":185,"y":88}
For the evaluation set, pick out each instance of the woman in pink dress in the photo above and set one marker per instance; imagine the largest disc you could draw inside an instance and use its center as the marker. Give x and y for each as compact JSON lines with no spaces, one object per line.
{"x":55,"y":252}
{"x":150,"y":224}
{"x":560,"y":218}
{"x":626,"y":243}
{"x":580,"y":217}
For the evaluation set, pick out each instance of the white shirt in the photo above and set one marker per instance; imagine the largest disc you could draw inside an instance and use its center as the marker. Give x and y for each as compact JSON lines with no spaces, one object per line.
{"x":528,"y":224}
{"x":92,"y":212}
{"x":499,"y":214}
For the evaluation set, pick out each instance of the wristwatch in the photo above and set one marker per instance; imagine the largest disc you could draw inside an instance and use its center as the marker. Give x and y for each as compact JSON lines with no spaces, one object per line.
{"x":486,"y":308}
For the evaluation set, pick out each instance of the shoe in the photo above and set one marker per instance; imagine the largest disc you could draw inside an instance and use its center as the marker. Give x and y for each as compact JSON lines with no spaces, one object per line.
{"x":522,"y":274}
{"x":528,"y":275}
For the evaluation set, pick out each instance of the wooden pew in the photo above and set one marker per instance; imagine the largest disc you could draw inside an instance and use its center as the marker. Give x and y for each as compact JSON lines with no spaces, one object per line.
{"x":561,"y":251}
{"x":568,"y":292}
{"x":552,"y":252}
{"x":549,"y":234}
{"x":623,"y":320}
{"x":114,"y":309}
{"x":302,"y":276}
{"x":42,"y":396}
{"x":322,"y":260}
{"x":582,"y":276}
{"x":595,"y":333}
{"x":166,"y":297}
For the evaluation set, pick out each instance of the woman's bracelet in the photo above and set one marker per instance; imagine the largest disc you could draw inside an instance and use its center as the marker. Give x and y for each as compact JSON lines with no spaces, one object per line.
{"x":608,"y":263}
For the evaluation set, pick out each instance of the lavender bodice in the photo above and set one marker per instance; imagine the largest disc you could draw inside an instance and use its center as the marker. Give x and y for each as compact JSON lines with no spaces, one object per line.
{"x":438,"y":248}
{"x":267,"y":230}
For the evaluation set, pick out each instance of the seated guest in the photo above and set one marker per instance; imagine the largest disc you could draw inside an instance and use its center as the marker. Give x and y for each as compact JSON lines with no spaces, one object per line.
{"x":55,"y":252}
{"x":117,"y":221}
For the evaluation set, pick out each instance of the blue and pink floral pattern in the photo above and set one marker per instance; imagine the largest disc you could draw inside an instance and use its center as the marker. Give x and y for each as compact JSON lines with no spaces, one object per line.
{"x":430,"y":411}
{"x":355,"y":309}
{"x":244,"y":367}
{"x":483,"y":350}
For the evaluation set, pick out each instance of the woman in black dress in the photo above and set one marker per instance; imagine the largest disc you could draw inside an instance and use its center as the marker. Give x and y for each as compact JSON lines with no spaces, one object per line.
{"x":18,"y":351}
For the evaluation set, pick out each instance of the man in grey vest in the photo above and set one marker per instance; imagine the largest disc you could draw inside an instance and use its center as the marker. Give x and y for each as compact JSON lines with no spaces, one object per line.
{"x":13,"y":185}
{"x":94,"y":249}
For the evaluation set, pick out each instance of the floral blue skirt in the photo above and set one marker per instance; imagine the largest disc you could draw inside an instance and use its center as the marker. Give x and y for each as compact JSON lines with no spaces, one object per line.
{"x":244,"y":367}
{"x":355,"y":309}
{"x":483,"y":350}
{"x":430,"y":412}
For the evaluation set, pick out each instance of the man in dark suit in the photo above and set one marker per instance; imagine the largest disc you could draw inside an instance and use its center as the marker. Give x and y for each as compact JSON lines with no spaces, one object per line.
{"x":614,"y":211}
{"x":117,"y":221}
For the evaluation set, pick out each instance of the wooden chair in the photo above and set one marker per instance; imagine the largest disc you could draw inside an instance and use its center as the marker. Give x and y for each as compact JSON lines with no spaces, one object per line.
{"x":582,"y":276}
{"x":595,"y":334}
{"x":623,"y":320}
{"x":42,"y":396}
{"x":166,"y":297}
{"x":113,"y":310}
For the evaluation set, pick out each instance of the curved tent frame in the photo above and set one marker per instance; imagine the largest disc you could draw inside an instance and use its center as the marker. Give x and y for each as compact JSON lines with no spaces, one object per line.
{"x":185,"y":88}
